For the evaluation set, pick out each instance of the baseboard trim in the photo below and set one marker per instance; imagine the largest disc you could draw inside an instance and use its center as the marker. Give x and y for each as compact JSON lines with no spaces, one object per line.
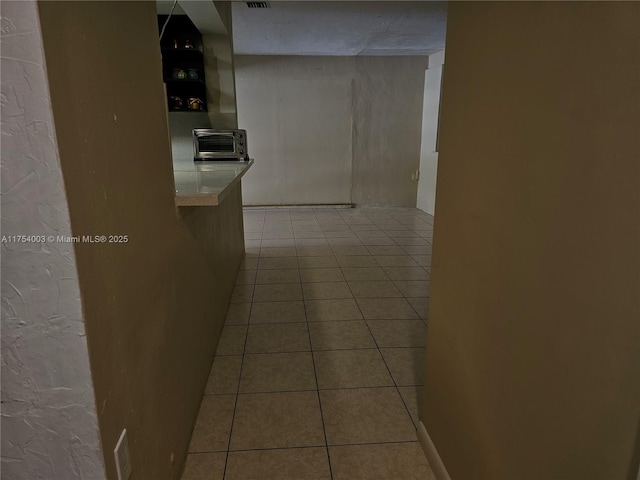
{"x":432,"y":454}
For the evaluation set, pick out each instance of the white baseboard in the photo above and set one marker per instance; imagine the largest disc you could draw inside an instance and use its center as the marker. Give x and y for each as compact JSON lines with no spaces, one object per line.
{"x":432,"y":454}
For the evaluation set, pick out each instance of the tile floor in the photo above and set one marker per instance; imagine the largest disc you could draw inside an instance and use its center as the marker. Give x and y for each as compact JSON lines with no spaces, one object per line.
{"x":319,"y":370}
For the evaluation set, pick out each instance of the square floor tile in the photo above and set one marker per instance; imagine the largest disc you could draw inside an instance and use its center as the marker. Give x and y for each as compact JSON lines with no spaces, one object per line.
{"x":357,"y":261}
{"x":314,"y":251}
{"x":277,"y":292}
{"x":421,"y":306}
{"x":232,"y":340}
{"x":321,"y":275}
{"x":224,"y":375}
{"x":249,"y":264}
{"x":364,"y":273}
{"x":374,"y":289}
{"x":238,"y":314}
{"x":423,"y":260}
{"x":277,"y":252}
{"x":309,"y":463}
{"x":286,"y":275}
{"x":395,"y":234}
{"x":317,"y":262}
{"x":406,"y":273}
{"x":351,"y":369}
{"x":277,"y":372}
{"x":395,"y":261}
{"x":204,"y":466}
{"x":386,"y":250}
{"x":340,"y":335}
{"x":278,"y":338}
{"x":347,"y":250}
{"x":365,"y":415}
{"x":311,"y":242}
{"x":277,"y":234}
{"x":377,"y":241}
{"x":277,"y":263}
{"x":246,"y":277}
{"x":339,"y":234}
{"x":413,"y":242}
{"x":211,"y":432}
{"x":369,"y":234}
{"x":398,"y":333}
{"x":326,"y":290}
{"x":386,"y":308}
{"x":253,"y":232}
{"x":404,"y":461}
{"x":277,"y":420}
{"x":242,"y":294}
{"x":413,"y":288}
{"x":405,"y":364}
{"x":344,"y":241}
{"x":335,"y":227}
{"x":424,"y":247}
{"x":278,"y":242}
{"x":300,"y":234}
{"x":277,"y":312}
{"x":413,"y":397}
{"x":362,"y":224}
{"x":330,"y":310}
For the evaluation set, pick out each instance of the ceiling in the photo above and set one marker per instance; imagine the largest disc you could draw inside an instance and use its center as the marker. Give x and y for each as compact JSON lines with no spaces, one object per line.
{"x":340,"y":28}
{"x":332,"y":28}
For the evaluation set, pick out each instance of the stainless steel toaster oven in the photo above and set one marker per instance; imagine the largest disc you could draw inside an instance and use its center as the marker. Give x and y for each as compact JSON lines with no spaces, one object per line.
{"x":210,"y":144}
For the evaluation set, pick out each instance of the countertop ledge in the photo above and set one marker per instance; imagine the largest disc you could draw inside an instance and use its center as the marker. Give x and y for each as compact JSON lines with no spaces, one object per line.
{"x":206,"y":184}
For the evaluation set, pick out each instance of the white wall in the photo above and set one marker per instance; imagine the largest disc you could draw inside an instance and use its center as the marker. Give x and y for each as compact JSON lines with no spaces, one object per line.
{"x":428,"y":155}
{"x":49,"y":426}
{"x":331,"y":130}
{"x":297,"y":113}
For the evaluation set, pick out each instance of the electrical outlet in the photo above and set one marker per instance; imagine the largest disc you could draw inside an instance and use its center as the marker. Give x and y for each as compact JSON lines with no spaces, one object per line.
{"x":123,"y":460}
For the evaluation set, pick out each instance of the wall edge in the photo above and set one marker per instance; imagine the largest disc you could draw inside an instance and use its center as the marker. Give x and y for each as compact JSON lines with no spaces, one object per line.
{"x":429,"y":449}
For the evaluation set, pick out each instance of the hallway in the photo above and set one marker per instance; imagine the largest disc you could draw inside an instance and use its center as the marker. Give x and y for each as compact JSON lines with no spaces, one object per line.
{"x":319,"y":370}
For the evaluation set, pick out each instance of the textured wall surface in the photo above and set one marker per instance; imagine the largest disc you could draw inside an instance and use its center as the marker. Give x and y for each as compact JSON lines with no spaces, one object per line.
{"x":387,"y":114}
{"x":331,"y":129}
{"x":297,"y":113}
{"x":532,"y":365}
{"x":49,"y":424}
{"x":154,"y":306}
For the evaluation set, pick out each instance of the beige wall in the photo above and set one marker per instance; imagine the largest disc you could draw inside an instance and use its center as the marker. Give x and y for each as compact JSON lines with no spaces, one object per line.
{"x":387,"y":106}
{"x":532,"y":368}
{"x":154,"y":306}
{"x":331,"y":130}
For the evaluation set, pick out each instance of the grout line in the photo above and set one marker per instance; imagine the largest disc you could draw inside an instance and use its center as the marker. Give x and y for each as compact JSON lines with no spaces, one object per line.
{"x":307,"y":390}
{"x":315,"y":374}
{"x":387,"y":366}
{"x":235,"y":404}
{"x":301,"y":447}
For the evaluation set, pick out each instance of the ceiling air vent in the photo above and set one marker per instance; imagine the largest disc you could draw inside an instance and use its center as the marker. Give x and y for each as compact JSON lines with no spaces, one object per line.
{"x":258,"y":5}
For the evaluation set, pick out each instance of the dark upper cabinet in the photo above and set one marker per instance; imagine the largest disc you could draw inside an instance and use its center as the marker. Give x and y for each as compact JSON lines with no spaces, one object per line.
{"x":183,"y":64}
